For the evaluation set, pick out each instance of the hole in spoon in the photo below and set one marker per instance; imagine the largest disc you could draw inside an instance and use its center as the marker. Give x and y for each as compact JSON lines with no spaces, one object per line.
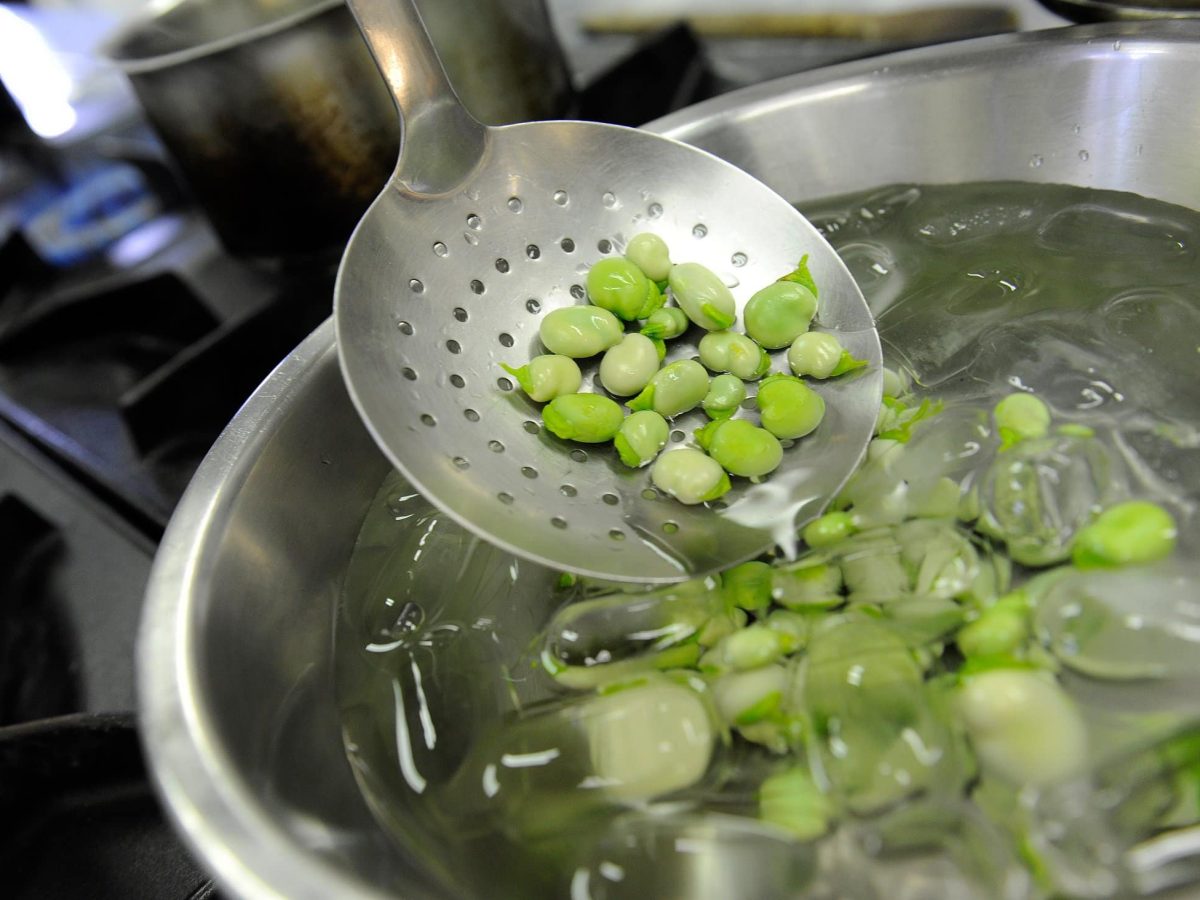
{"x":561,"y":198}
{"x":567,"y":245}
{"x":515,"y":204}
{"x":440,"y":249}
{"x":416,"y":285}
{"x":477,"y":286}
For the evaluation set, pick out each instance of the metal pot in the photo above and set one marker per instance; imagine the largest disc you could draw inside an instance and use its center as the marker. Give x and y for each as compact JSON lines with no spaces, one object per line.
{"x":235,"y":671}
{"x":279,"y":121}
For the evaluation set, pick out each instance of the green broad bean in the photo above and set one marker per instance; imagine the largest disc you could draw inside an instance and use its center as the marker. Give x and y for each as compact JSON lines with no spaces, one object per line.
{"x":789,"y":408}
{"x":821,"y":355}
{"x":795,"y":628}
{"x":1019,"y":417}
{"x":689,"y":476}
{"x":660,"y":348}
{"x":748,"y":586}
{"x":666,"y":323}
{"x":828,"y":529}
{"x":811,"y":585}
{"x":1000,"y":630}
{"x":641,"y":437}
{"x":546,"y":377}
{"x":895,"y":382}
{"x":1128,"y":534}
{"x":750,"y":648}
{"x":580,"y":331}
{"x":628,"y":366}
{"x":586,"y":418}
{"x":729,"y":351}
{"x":702,"y":296}
{"x":779,"y":313}
{"x":1023,"y":726}
{"x":724,"y":397}
{"x":740,"y":447}
{"x":674,"y":389}
{"x":792,"y":801}
{"x":743,"y":698}
{"x":650,"y":254}
{"x":720,"y":627}
{"x":619,"y":286}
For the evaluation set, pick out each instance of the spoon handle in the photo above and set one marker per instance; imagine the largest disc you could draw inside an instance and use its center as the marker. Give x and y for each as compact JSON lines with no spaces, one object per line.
{"x":440,"y":142}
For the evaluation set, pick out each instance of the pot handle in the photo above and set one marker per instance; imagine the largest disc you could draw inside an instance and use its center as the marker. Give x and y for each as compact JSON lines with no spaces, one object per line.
{"x":440,"y":142}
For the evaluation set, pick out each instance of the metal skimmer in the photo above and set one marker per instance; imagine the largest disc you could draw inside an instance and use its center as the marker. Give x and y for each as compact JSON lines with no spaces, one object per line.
{"x":482,"y":231}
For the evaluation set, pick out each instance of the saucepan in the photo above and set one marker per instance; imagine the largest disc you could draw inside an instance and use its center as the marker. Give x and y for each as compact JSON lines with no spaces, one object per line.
{"x":239,"y":711}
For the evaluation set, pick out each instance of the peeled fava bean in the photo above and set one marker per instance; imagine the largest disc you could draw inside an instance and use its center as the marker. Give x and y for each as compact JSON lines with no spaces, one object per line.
{"x":1130,"y":533}
{"x":689,"y":476}
{"x":740,"y":447}
{"x":1019,"y":417}
{"x":587,"y":418}
{"x":580,"y":331}
{"x":546,"y":377}
{"x":674,"y":389}
{"x":650,"y":254}
{"x":627,"y":367}
{"x":789,"y":408}
{"x":666,"y":323}
{"x":702,"y":296}
{"x":619,"y":286}
{"x":821,"y":355}
{"x":640,"y":438}
{"x":1023,"y":726}
{"x":728,"y":351}
{"x":779,"y":313}
{"x":724,"y":397}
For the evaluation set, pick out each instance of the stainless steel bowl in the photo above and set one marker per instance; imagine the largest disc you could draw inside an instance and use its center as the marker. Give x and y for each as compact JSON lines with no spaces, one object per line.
{"x":238,"y":710}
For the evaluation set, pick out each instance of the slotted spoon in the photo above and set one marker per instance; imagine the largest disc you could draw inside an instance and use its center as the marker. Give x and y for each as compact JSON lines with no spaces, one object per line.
{"x":479,"y":233}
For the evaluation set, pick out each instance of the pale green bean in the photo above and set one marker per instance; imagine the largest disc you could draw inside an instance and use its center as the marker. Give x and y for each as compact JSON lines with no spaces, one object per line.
{"x":650,"y":254}
{"x":628,"y":367}
{"x":741,"y":447}
{"x":580,"y":331}
{"x":587,"y":418}
{"x":689,"y":476}
{"x":779,"y":313}
{"x":724,"y":397}
{"x":640,"y":438}
{"x":546,"y":377}
{"x":674,"y":389}
{"x":729,"y":351}
{"x":702,"y":296}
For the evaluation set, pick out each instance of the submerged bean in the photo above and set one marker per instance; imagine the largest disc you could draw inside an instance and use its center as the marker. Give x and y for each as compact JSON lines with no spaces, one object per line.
{"x":790,"y":408}
{"x":724,"y":397}
{"x":546,"y":377}
{"x":1021,"y":416}
{"x":587,"y":418}
{"x":641,"y":436}
{"x":748,"y":586}
{"x":627,"y":367}
{"x":828,"y":529}
{"x":779,"y":313}
{"x":728,"y":351}
{"x":650,"y":254}
{"x":1023,"y":726}
{"x":791,"y":800}
{"x":689,"y":476}
{"x":746,"y":697}
{"x":740,"y":447}
{"x":703,"y":296}
{"x":619,"y":286}
{"x":821,"y":355}
{"x":674,"y":389}
{"x":1130,"y":533}
{"x":580,"y":331}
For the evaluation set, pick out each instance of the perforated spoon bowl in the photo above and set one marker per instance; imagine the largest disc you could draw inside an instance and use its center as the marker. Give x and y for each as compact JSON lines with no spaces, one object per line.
{"x":479,"y":233}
